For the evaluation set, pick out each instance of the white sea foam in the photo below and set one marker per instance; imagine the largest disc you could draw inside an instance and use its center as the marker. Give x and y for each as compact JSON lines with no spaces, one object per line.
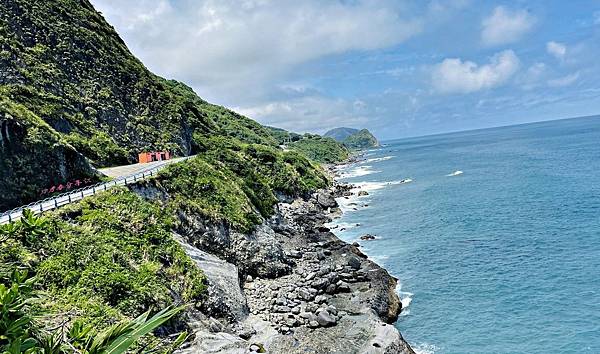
{"x":358,"y":172}
{"x":405,"y":298}
{"x":342,"y":226}
{"x":424,"y":348}
{"x":372,"y":186}
{"x":355,"y":202}
{"x":455,"y":173}
{"x":377,"y":159}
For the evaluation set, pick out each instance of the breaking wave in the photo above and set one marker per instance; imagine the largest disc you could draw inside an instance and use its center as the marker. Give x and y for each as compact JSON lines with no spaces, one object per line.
{"x":358,"y":172}
{"x":455,"y":173}
{"x":377,"y":159}
{"x":424,"y":348}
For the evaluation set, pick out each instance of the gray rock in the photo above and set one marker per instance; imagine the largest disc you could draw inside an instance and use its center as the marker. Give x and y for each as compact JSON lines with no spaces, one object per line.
{"x":354,"y":262}
{"x":326,"y":200}
{"x":332,"y":310}
{"x":225,"y":297}
{"x":305,"y":294}
{"x":325,"y":319}
{"x":343,"y":287}
{"x":306,"y":315}
{"x":283,"y":309}
{"x":330,"y":289}
{"x":320,"y":283}
{"x":320,"y":298}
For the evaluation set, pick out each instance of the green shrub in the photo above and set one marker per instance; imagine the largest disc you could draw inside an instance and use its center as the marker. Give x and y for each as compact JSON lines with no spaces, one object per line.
{"x":320,"y":149}
{"x":107,"y":257}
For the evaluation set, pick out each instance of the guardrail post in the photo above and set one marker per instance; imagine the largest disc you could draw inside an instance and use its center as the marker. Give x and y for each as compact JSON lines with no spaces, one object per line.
{"x":55,"y":203}
{"x":82,"y":195}
{"x":94,"y":189}
{"x":105,"y":186}
{"x":69,"y":198}
{"x":41,"y":207}
{"x":9,"y":217}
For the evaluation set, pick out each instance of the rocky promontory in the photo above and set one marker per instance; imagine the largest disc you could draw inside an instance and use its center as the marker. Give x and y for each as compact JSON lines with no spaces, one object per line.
{"x":290,"y":287}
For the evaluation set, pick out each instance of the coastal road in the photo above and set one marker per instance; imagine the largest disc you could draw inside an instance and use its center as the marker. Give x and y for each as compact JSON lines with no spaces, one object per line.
{"x":123,"y":175}
{"x":130,"y":170}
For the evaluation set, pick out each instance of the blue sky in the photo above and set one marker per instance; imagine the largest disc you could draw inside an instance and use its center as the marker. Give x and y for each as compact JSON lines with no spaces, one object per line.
{"x":399,"y":68}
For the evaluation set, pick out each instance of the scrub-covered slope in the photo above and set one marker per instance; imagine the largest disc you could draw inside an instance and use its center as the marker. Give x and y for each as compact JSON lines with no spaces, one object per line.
{"x":72,"y":97}
{"x":70,"y":88}
{"x":353,"y":138}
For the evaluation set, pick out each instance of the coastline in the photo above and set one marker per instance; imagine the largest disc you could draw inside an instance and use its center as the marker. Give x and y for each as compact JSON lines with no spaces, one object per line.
{"x":292,"y":286}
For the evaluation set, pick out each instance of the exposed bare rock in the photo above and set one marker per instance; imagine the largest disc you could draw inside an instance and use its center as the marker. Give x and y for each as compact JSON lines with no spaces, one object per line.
{"x":303,"y":289}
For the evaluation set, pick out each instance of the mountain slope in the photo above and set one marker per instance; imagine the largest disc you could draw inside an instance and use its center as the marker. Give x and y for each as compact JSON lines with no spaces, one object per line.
{"x":340,"y":134}
{"x":363,"y":139}
{"x":65,"y":71}
{"x":353,"y":138}
{"x":72,"y":97}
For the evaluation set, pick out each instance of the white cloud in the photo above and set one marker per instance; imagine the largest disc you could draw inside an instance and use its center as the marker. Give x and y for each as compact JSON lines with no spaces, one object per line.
{"x":309,"y":113}
{"x":227,"y":46}
{"x":456,"y":76}
{"x":533,"y":77}
{"x":564,"y":81}
{"x":505,"y":26}
{"x":556,"y":49}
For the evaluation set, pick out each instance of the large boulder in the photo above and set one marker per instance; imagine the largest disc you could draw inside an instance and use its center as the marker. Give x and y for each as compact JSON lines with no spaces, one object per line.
{"x":326,"y":200}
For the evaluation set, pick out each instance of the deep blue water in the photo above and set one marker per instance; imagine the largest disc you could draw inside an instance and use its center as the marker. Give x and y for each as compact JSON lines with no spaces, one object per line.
{"x":504,"y":258}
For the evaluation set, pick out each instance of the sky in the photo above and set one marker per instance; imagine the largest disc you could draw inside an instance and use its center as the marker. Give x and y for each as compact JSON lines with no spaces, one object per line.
{"x":399,"y":68}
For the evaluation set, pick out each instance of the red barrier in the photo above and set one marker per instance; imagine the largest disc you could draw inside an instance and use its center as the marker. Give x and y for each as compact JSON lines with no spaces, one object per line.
{"x":67,"y":186}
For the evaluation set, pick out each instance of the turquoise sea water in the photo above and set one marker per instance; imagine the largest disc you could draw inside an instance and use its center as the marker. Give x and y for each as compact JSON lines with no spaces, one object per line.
{"x":503,"y":258}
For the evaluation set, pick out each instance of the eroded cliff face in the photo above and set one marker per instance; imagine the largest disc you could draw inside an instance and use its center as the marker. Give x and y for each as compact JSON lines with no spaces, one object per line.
{"x":64,"y":67}
{"x":291,"y":286}
{"x":27,"y":148}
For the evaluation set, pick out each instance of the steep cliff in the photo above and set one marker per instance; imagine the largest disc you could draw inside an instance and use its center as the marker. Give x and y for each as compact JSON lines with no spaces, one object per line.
{"x":353,"y":138}
{"x":63,"y":65}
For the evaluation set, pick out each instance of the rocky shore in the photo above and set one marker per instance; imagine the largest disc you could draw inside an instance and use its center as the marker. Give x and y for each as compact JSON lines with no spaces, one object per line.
{"x":290,"y":287}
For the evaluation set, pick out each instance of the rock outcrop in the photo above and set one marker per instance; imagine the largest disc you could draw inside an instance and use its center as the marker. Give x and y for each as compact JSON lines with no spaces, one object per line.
{"x":290,"y":287}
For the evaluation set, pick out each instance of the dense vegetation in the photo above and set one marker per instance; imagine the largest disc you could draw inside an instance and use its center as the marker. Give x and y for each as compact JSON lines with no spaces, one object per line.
{"x":65,"y":73}
{"x":315,"y":147}
{"x":320,"y":148}
{"x":109,"y":257}
{"x":71,"y":97}
{"x":26,"y":312}
{"x":363,"y":139}
{"x":238,"y":182}
{"x":353,"y":138}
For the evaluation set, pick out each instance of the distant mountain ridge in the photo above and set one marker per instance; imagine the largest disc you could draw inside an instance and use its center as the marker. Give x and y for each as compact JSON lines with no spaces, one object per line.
{"x":353,"y":138}
{"x":340,"y":134}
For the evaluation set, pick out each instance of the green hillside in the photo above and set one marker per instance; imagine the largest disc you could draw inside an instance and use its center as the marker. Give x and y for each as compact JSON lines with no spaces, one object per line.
{"x":73,"y":97}
{"x":363,"y":139}
{"x":353,"y":138}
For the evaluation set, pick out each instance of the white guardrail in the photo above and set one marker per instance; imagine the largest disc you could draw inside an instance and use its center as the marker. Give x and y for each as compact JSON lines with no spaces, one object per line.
{"x":78,"y":194}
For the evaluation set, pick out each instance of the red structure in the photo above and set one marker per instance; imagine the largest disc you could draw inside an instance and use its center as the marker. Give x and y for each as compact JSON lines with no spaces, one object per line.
{"x":154,"y":156}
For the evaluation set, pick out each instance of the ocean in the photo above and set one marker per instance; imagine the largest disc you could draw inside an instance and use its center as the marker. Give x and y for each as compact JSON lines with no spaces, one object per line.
{"x":494,"y":235}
